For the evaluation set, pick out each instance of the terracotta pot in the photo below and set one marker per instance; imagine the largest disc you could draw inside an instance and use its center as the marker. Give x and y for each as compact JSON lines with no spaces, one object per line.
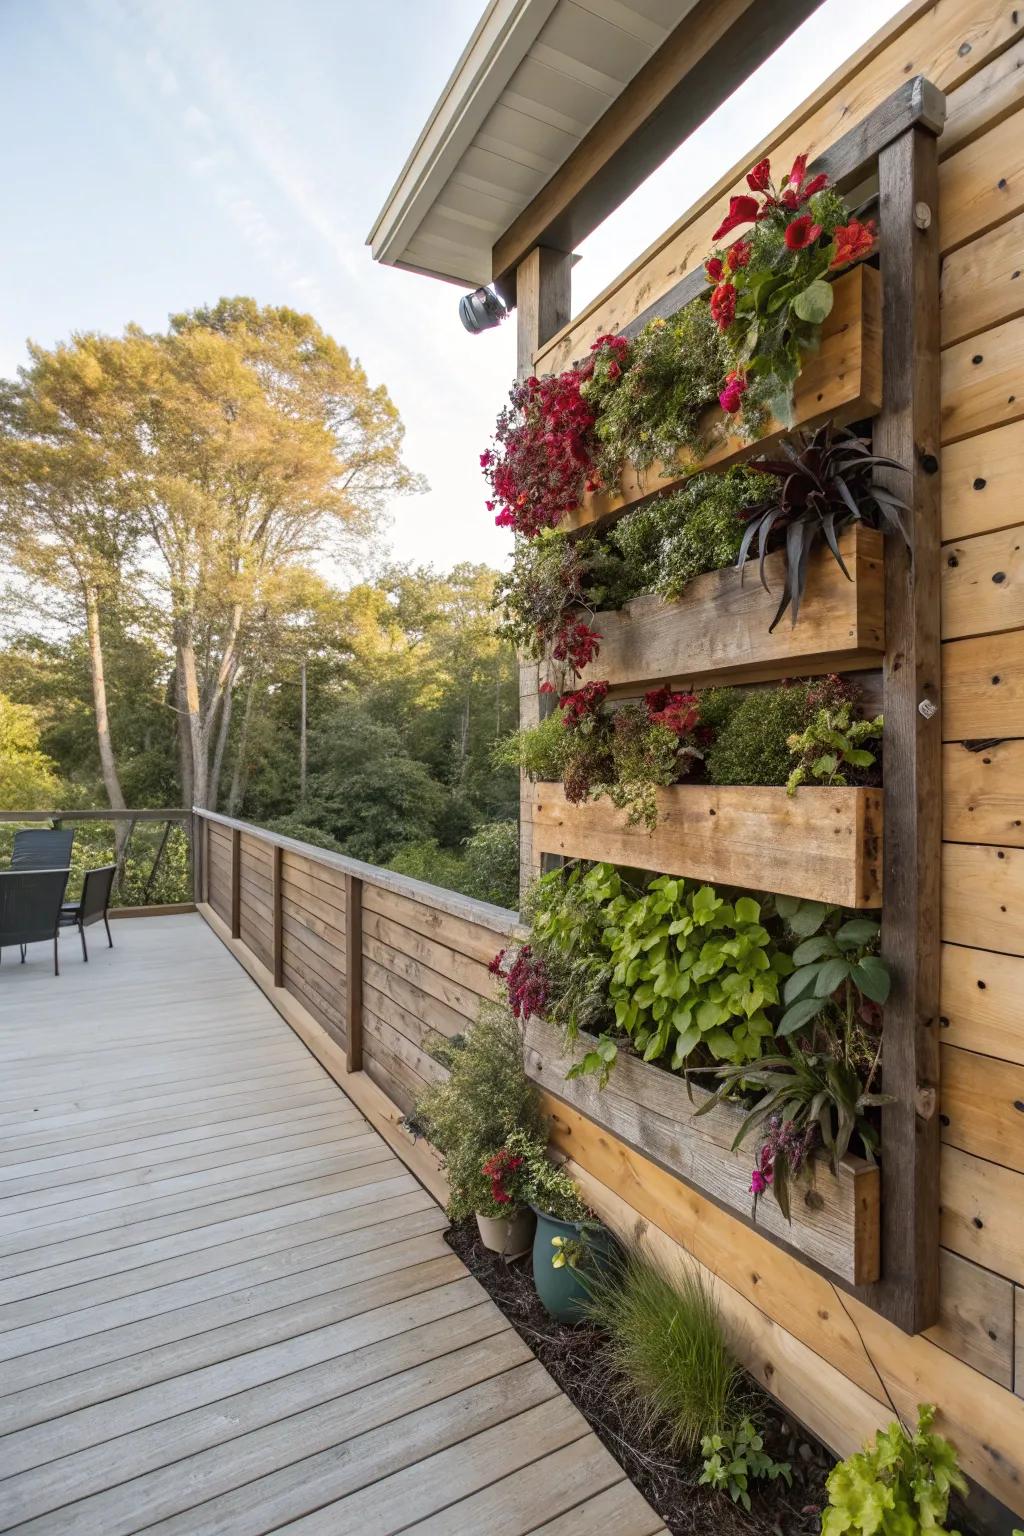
{"x":510,"y":1236}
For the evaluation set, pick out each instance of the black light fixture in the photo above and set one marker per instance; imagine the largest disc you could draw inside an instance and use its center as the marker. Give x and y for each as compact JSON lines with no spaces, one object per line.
{"x":481,"y":310}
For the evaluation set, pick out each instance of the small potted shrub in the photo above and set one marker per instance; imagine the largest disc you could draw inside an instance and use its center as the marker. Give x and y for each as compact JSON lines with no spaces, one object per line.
{"x":470,"y":1120}
{"x":568,"y":1237}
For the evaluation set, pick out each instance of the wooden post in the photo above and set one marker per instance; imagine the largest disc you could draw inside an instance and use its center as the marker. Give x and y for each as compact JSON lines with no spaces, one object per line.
{"x":543,"y":306}
{"x":197,"y":850}
{"x":236,"y":884}
{"x":276,"y":856}
{"x":353,"y":973}
{"x":908,"y":430}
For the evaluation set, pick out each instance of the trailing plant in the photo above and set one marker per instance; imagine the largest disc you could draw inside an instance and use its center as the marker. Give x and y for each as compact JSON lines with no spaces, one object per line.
{"x":543,"y":456}
{"x":736,"y":1457}
{"x":820,"y":1091}
{"x":653,"y":744}
{"x":832,"y":750}
{"x":667,"y":542}
{"x":900,"y":1483}
{"x":655,"y":411}
{"x":674,"y":1373}
{"x":771,"y":292}
{"x":486,"y":1098}
{"x":823,"y":485}
{"x":539,"y":750}
{"x":690,"y":970}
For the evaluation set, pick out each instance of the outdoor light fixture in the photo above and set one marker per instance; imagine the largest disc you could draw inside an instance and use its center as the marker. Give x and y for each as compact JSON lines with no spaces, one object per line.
{"x":481,"y":310}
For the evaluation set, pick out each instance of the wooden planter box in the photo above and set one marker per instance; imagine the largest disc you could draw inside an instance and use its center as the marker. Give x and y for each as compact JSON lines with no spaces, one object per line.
{"x":718,"y":630}
{"x":820,"y":844}
{"x":835,"y":1221}
{"x":842,"y":381}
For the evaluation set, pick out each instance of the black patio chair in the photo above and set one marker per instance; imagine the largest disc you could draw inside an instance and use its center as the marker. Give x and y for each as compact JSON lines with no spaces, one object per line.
{"x":30,"y":903}
{"x":92,"y":905}
{"x":42,"y":848}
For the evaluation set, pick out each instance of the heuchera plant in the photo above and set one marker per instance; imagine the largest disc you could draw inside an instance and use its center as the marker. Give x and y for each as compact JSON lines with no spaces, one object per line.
{"x":544,"y":455}
{"x":770,"y":293}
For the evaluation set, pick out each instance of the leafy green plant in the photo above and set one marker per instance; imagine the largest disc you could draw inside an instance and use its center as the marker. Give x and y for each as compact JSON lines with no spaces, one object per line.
{"x":568,"y":912}
{"x":674,"y":1371}
{"x":667,"y":542}
{"x":824,"y":485}
{"x":539,"y":750}
{"x":544,"y":1183}
{"x":736,"y":1457}
{"x":836,"y":956}
{"x":485,"y":1101}
{"x":751,"y":745}
{"x":831,"y":749}
{"x":898,"y":1486}
{"x":655,"y":410}
{"x":691,"y":969}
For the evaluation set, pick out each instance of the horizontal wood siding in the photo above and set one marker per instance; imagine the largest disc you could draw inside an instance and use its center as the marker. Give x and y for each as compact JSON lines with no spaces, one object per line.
{"x":313,"y":939}
{"x":218,"y":850}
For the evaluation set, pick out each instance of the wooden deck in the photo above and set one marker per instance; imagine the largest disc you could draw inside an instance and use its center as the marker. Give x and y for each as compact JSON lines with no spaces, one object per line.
{"x":225,"y":1304}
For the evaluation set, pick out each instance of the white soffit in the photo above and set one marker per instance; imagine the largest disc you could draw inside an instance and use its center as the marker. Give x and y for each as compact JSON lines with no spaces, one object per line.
{"x":533,"y":80}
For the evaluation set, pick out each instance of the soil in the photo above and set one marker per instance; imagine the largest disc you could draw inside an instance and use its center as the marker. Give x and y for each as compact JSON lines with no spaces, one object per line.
{"x":576,"y":1359}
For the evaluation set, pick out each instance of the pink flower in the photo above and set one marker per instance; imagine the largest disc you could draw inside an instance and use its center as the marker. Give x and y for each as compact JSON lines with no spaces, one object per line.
{"x":742,"y":210}
{"x":731,"y":397}
{"x":759,"y":1182}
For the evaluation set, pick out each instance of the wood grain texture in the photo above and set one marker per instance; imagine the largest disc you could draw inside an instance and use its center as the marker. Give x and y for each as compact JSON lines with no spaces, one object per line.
{"x":983,"y":1106}
{"x":983,"y":897}
{"x":822,"y":844}
{"x":842,"y":381}
{"x":983,"y":793}
{"x":983,"y":688}
{"x":983,"y":381}
{"x":834,"y":1220}
{"x":353,"y":973}
{"x":976,"y":1324}
{"x":718,"y":631}
{"x":982,"y":283}
{"x":981,"y":1204}
{"x":981,"y":482}
{"x":983,"y":184}
{"x":983,"y":584}
{"x":981,"y":1002}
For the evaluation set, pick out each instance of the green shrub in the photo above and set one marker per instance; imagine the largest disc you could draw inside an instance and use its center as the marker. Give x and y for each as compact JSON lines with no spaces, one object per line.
{"x":899,"y":1483}
{"x":491,"y":864}
{"x":546,"y":1185}
{"x":539,"y":750}
{"x":667,"y":542}
{"x":752,"y":745}
{"x":426,"y":860}
{"x":673,"y":1367}
{"x":486,"y":1098}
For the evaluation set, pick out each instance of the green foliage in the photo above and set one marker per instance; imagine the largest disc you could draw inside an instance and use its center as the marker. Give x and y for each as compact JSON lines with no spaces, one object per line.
{"x":835,"y":956}
{"x":644,"y":756}
{"x":832,"y":750}
{"x":900,"y":1485}
{"x":752,"y":744}
{"x":486,"y":1099}
{"x":28,"y":780}
{"x":674,"y":1370}
{"x":665,"y":543}
{"x":547,"y":1186}
{"x":486,"y":867}
{"x":655,"y":411}
{"x":540,"y":750}
{"x":736,"y":1457}
{"x":568,"y":912}
{"x":691,"y":969}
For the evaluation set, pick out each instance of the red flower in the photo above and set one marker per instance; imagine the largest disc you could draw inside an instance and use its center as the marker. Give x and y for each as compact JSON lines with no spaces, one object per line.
{"x":731,"y":397}
{"x":576,"y":643}
{"x":739,"y":255}
{"x":801,"y":233}
{"x":714,"y":269}
{"x":583,"y":703}
{"x":759,"y":179}
{"x":742,"y":210}
{"x":485,"y":458}
{"x":853,"y":241}
{"x":814,"y":185}
{"x":546,"y":687}
{"x":677,"y":712}
{"x":723,"y":306}
{"x":796,"y":176}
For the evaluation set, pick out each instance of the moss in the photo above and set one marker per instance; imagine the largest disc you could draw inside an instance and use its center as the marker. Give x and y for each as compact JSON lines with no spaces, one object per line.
{"x":751,"y":746}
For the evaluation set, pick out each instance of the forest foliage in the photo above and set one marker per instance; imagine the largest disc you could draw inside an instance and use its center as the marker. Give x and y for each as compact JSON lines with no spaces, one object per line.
{"x":188,"y":521}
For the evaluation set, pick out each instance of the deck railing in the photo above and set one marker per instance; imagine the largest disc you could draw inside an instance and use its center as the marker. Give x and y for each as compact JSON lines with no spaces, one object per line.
{"x":151,"y":848}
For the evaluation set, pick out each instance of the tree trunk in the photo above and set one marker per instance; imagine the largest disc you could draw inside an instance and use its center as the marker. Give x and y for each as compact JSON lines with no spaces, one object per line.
{"x":183,"y":739}
{"x":223,"y":731}
{"x":198,"y":741}
{"x":108,"y":763}
{"x":239,"y":772}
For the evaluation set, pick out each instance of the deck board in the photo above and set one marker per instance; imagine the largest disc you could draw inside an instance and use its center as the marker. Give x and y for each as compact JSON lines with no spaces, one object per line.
{"x":225,"y":1304}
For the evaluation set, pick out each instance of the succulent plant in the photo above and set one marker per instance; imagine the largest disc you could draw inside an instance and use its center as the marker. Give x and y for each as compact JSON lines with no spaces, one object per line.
{"x":824,"y":484}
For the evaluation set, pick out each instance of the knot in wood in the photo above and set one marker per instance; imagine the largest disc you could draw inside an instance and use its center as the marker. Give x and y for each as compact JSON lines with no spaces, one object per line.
{"x":922,"y":215}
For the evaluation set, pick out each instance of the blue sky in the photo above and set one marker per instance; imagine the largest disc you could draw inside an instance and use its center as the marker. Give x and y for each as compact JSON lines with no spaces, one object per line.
{"x":161,"y":153}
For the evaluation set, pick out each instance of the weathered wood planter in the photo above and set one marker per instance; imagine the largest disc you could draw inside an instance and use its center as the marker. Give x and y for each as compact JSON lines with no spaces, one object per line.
{"x":841,"y":382}
{"x":820,"y":844}
{"x":835,"y":1221}
{"x":718,"y":630}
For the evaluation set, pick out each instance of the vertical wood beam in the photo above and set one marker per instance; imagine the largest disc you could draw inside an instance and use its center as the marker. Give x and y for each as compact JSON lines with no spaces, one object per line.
{"x":276,"y":903}
{"x":543,"y":306}
{"x":908,"y":430}
{"x":353,"y":974}
{"x":236,"y":884}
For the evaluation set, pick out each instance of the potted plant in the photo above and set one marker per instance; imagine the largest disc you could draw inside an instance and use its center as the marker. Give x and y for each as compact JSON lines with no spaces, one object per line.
{"x":471,"y":1118}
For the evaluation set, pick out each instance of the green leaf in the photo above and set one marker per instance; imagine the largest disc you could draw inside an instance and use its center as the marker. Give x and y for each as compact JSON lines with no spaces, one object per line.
{"x":871,"y":975}
{"x":800,"y":1014}
{"x":813,"y":949}
{"x":832,"y":973}
{"x":808,"y":918}
{"x":815,"y":303}
{"x":859,"y":930}
{"x":747,"y":910}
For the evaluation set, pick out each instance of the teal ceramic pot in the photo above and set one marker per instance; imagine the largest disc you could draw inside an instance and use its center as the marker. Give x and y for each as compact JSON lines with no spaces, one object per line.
{"x":562,"y":1290}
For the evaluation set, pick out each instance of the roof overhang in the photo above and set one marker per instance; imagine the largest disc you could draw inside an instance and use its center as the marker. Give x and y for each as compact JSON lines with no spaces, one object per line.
{"x":556,"y":111}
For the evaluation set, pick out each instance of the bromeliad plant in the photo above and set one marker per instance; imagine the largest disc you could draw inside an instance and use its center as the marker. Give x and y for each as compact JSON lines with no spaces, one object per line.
{"x":771,"y":291}
{"x":823,"y":486}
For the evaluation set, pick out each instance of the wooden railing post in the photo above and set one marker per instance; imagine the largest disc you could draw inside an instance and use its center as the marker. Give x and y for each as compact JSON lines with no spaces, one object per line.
{"x":236,"y":884}
{"x":276,"y":855}
{"x":353,"y":973}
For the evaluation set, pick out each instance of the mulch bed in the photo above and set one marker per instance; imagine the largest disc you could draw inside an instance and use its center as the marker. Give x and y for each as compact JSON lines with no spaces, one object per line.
{"x":576,"y":1359}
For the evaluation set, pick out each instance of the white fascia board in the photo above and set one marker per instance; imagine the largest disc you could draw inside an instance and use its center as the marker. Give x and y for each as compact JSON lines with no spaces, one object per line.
{"x":503,"y":37}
